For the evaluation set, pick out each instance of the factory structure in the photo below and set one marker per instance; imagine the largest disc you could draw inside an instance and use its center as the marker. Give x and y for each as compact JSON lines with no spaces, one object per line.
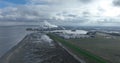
{"x":46,"y":27}
{"x":69,"y":34}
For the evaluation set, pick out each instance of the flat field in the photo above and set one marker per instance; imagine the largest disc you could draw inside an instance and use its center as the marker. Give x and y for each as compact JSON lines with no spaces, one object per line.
{"x":107,"y":48}
{"x":80,"y":52}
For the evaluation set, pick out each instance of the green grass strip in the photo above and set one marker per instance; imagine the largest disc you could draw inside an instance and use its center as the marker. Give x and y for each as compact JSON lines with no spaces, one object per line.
{"x":77,"y":49}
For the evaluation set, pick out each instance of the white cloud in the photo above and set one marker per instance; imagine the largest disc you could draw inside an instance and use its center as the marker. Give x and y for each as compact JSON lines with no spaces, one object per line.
{"x":78,"y":11}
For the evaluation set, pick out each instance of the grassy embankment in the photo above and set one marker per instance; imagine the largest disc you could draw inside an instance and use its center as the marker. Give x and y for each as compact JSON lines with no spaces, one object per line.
{"x":86,"y":54}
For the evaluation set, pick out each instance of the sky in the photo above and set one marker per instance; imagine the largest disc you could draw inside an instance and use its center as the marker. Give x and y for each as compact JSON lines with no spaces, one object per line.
{"x":60,"y":12}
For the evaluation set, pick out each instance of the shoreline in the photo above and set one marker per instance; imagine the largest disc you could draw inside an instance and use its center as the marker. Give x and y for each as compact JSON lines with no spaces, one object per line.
{"x":12,"y":50}
{"x":21,"y":52}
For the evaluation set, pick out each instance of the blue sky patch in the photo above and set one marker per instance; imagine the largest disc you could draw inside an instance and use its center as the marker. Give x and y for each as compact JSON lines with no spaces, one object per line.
{"x":16,"y":1}
{"x":6,"y":3}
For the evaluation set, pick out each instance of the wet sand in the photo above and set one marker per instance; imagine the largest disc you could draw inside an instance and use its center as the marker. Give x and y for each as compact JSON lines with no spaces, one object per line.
{"x":33,"y":49}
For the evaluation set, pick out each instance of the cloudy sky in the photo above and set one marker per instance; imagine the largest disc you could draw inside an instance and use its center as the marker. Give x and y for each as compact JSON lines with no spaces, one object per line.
{"x":60,"y":12}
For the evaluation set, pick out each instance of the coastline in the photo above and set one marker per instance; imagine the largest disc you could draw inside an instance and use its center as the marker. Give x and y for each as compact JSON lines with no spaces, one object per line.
{"x":12,"y":51}
{"x":34,"y":50}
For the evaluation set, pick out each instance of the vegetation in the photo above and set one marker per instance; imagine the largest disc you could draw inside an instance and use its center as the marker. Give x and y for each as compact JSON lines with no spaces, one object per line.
{"x":86,"y":54}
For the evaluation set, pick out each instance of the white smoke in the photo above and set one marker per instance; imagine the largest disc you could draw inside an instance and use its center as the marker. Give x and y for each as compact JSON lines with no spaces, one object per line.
{"x":45,"y":38}
{"x":46,"y":24}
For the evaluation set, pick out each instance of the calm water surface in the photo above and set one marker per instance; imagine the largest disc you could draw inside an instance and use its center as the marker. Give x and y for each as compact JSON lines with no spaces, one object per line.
{"x":10,"y":36}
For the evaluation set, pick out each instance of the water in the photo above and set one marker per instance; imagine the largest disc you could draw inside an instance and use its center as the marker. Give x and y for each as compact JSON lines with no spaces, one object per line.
{"x":10,"y":36}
